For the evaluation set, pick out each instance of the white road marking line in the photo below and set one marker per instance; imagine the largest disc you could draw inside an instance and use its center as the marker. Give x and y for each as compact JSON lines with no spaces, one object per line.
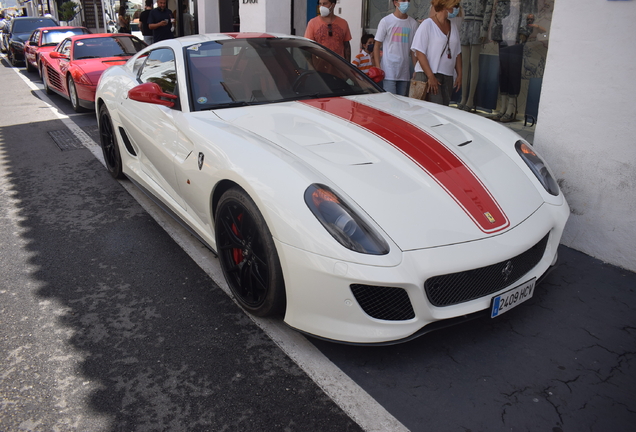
{"x":349,"y":396}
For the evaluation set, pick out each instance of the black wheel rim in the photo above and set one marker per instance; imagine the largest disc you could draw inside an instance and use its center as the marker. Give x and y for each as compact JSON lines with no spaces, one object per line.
{"x":242,"y":254}
{"x":108,"y":142}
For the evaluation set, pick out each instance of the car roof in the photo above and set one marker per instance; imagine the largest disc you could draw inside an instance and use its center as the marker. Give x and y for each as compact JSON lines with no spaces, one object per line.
{"x":32,"y":19}
{"x":186,"y":41}
{"x":98,"y":35}
{"x":60,"y":28}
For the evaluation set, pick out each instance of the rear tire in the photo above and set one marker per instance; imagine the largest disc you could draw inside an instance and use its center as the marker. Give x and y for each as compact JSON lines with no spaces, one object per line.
{"x":248,"y":255}
{"x":108,"y":141}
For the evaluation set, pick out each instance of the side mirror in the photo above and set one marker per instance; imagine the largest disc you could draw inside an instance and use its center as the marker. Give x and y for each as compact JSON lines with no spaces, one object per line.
{"x":151,"y":93}
{"x":58,"y":55}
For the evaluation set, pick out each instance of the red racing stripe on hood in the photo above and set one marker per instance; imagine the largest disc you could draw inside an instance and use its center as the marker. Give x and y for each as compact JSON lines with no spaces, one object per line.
{"x":435,"y":158}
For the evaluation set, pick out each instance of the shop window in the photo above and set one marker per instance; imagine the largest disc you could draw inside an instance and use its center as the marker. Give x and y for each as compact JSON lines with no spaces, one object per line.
{"x":510,"y":61}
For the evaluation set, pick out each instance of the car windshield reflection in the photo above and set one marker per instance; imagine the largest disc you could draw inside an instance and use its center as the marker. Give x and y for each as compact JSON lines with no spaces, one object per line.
{"x":239,"y":72}
{"x":118,"y":46}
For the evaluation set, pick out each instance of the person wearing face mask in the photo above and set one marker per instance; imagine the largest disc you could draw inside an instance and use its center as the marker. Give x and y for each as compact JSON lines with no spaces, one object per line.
{"x":330,"y":30}
{"x":394,"y":38}
{"x":438,"y":51}
{"x":363,"y":60}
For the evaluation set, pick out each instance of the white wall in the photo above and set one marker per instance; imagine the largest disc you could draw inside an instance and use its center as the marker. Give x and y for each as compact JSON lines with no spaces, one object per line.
{"x":208,"y":16}
{"x":351,"y":11}
{"x":585,"y":126}
{"x":273,"y":16}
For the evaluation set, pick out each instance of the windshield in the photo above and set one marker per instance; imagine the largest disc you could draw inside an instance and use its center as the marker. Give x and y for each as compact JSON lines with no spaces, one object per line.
{"x":116,"y":46}
{"x":28,"y":25}
{"x":240,"y":72}
{"x":54,"y":37}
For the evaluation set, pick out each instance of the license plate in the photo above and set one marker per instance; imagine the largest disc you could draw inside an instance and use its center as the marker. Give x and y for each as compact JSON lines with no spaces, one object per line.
{"x":511,"y":298}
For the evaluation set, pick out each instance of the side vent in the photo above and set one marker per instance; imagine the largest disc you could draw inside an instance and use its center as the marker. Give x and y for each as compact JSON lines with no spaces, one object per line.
{"x":127,"y":142}
{"x":384,"y":303}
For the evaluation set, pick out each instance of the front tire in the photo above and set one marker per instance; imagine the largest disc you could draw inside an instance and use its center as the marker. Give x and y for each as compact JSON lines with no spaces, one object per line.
{"x":12,"y":59}
{"x":45,"y":81}
{"x":29,"y":66}
{"x":108,"y":141}
{"x":248,"y":255}
{"x":72,"y":95}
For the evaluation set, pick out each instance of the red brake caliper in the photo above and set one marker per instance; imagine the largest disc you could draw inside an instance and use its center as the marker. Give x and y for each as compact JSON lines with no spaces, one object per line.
{"x":237,"y":253}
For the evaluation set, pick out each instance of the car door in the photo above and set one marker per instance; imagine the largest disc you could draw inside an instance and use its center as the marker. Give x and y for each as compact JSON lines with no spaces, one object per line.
{"x":58,"y":66}
{"x":31,"y":47}
{"x":153,"y":127}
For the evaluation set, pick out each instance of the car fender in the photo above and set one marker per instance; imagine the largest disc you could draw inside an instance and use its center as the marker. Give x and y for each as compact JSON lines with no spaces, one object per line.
{"x":275,"y":179}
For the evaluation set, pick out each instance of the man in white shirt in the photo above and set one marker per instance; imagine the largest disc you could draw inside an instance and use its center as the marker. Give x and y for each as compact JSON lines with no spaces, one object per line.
{"x":394,"y":38}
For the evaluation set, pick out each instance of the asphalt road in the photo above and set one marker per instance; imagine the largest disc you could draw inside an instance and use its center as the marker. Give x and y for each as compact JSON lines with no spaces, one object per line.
{"x":106,"y":324}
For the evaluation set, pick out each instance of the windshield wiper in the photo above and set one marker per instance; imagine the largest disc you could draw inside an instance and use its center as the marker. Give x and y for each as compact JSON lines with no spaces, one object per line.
{"x":87,"y":57}
{"x":228,"y":105}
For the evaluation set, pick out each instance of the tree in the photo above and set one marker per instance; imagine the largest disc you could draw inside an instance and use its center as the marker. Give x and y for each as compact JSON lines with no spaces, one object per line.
{"x":67,"y":11}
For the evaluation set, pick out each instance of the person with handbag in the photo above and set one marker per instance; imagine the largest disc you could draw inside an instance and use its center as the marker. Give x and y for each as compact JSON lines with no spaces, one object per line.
{"x":438,"y":51}
{"x":123,"y":21}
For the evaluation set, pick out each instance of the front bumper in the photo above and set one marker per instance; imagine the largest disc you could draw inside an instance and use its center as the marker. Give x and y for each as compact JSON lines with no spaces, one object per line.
{"x":320,"y":301}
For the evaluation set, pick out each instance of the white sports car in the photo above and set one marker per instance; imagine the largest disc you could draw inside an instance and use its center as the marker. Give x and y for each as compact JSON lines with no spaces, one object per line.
{"x":359,"y":216}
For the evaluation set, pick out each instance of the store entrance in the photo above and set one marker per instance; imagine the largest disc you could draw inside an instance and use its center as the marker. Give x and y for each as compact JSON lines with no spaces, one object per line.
{"x":230,"y":21}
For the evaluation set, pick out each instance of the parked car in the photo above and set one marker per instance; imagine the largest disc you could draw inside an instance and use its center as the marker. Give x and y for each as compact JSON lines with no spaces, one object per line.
{"x":358,"y":215}
{"x":73,"y":68}
{"x":45,"y":39}
{"x":18,"y":33}
{"x":3,"y":32}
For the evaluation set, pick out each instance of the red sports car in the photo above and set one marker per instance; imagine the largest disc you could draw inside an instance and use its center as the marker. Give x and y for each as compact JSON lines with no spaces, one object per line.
{"x":45,"y":39}
{"x":73,"y":68}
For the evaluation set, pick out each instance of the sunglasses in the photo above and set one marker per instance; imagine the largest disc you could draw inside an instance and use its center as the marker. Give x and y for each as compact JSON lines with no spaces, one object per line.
{"x":330,"y":29}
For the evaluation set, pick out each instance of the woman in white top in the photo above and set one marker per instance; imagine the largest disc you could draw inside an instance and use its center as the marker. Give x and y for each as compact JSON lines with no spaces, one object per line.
{"x":438,"y":50}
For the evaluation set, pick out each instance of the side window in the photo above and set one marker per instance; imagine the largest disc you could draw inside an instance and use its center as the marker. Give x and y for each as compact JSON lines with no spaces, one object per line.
{"x":139,"y":62}
{"x":34,"y":37}
{"x":65,"y":48}
{"x":160,"y":68}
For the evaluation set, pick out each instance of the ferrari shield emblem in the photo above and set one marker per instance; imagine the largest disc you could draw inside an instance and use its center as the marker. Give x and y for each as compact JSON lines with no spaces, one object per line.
{"x":487,"y":214}
{"x":200,"y":161}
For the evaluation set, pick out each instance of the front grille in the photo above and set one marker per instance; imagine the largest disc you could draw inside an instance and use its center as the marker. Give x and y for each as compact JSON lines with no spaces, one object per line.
{"x":468,"y":285}
{"x":385,"y":303}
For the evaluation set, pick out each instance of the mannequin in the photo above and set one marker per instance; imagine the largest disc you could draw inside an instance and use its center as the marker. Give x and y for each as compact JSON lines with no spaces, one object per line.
{"x":510,"y":30}
{"x":473,"y":33}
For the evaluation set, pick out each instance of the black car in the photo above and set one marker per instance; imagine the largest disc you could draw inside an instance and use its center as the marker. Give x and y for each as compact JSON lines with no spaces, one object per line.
{"x":18,"y":33}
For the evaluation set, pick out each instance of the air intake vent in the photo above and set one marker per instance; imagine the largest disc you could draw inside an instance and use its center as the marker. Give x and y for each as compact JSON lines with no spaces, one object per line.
{"x":385,"y":303}
{"x":127,"y":142}
{"x":464,"y":286}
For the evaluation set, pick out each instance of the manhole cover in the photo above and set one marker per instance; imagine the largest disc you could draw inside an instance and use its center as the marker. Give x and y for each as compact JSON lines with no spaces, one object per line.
{"x":66,"y":140}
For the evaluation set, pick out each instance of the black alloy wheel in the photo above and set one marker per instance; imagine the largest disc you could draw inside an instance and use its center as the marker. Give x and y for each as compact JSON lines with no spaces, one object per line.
{"x":72,"y":95}
{"x":248,"y":255}
{"x":108,"y":141}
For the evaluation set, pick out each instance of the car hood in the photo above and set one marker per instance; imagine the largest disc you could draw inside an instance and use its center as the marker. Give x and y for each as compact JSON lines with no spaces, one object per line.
{"x":22,"y":37}
{"x":94,"y":68}
{"x":425,"y":178}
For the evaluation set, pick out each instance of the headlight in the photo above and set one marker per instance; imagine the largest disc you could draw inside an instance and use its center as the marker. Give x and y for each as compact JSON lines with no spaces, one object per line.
{"x":342,"y":222}
{"x":18,"y":44}
{"x":538,"y":167}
